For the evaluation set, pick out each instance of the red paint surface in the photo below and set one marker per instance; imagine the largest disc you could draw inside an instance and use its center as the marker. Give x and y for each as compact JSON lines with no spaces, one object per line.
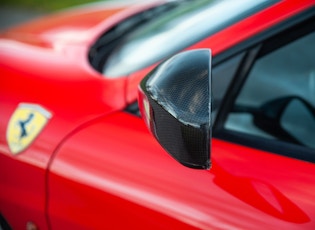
{"x":109,"y":172}
{"x":120,"y":174}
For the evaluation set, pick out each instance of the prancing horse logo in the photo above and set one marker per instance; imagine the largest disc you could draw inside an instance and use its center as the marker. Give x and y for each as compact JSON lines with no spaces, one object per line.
{"x":24,"y":126}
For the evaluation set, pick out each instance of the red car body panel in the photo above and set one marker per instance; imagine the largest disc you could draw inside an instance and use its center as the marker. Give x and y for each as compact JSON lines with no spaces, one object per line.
{"x":93,"y":166}
{"x":142,"y":185}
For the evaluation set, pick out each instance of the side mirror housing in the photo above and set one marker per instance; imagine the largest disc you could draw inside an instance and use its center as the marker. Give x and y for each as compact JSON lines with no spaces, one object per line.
{"x":175,"y":103}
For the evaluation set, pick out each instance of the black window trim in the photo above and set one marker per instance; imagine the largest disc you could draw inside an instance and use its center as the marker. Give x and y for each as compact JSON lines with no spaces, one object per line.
{"x":256,"y":47}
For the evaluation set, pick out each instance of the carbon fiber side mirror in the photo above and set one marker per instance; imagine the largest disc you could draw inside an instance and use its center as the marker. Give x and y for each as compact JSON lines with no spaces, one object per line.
{"x":175,"y":102}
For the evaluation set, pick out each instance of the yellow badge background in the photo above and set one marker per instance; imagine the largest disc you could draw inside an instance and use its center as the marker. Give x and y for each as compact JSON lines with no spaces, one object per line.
{"x":32,"y":128}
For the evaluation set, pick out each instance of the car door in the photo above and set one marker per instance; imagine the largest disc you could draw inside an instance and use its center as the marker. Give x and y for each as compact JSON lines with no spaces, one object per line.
{"x":269,"y":109}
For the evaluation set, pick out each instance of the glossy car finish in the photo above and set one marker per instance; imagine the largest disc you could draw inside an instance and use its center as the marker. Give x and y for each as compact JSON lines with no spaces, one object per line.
{"x":95,"y":166}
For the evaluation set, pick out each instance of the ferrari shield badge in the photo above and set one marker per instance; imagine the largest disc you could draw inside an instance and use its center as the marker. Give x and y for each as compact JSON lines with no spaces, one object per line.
{"x":25,"y":124}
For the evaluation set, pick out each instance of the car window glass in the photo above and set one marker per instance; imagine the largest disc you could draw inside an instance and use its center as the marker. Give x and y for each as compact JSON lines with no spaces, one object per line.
{"x":222,"y":75}
{"x":303,"y":130}
{"x":277,"y":100}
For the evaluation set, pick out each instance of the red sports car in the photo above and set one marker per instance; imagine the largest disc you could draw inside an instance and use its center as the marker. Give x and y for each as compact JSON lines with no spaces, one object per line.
{"x":230,"y":79}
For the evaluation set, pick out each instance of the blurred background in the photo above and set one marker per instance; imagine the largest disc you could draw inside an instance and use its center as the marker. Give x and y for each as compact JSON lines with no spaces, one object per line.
{"x":15,"y":11}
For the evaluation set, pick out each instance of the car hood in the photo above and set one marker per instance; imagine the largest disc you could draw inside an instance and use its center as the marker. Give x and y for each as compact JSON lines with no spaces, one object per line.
{"x":78,"y":25}
{"x":44,"y":63}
